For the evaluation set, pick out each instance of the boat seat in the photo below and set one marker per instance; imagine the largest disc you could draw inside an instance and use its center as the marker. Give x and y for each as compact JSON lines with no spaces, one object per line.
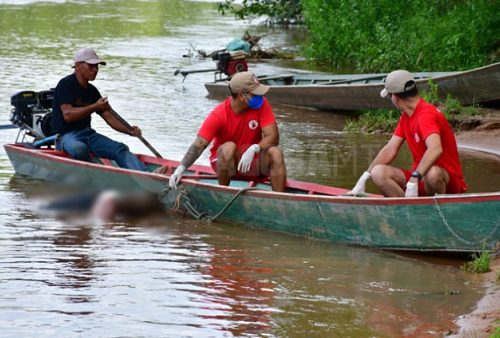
{"x":322,"y":82}
{"x":276,"y":77}
{"x":363,"y":80}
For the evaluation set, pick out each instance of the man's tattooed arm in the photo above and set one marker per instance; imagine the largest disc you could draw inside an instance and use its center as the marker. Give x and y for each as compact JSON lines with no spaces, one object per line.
{"x":194,"y":151}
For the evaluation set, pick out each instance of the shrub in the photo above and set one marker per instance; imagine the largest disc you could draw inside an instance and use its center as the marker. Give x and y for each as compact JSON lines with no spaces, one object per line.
{"x":479,"y":264}
{"x":281,"y":12}
{"x":374,"y":36}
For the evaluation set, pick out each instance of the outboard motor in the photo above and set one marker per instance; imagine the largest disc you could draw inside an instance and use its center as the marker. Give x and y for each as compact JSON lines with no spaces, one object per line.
{"x":227,"y":63}
{"x":33,"y":112}
{"x":230,"y":62}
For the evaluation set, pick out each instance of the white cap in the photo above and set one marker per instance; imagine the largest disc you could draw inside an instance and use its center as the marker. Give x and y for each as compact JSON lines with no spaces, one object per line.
{"x":88,"y":55}
{"x":398,"y":81}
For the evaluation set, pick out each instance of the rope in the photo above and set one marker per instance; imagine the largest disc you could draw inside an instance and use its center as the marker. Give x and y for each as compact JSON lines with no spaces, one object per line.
{"x":164,"y":192}
{"x":228,"y":204}
{"x":185,"y":201}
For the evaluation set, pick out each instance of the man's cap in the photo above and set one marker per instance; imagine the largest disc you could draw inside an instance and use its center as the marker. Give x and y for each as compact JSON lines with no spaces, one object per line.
{"x":88,"y":55}
{"x":246,"y":82}
{"x":398,"y":81}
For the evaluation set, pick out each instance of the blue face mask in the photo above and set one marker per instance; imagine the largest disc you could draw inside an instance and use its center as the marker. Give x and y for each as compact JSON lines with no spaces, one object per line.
{"x":256,"y":102}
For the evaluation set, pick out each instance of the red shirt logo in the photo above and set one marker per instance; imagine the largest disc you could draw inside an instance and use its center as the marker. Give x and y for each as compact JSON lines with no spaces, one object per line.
{"x":253,"y":124}
{"x":417,"y":138}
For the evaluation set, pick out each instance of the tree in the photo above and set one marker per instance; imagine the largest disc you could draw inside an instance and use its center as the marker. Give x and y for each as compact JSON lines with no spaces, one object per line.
{"x":282,"y":12}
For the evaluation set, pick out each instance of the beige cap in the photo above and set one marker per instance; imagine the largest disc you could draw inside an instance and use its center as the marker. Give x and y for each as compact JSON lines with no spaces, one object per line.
{"x":88,"y":55}
{"x":246,"y":82}
{"x":397,"y":82}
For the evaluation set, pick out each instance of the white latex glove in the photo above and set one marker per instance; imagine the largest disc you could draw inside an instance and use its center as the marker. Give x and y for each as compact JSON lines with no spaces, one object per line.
{"x":176,"y":176}
{"x":359,"y":188}
{"x":411,"y":189}
{"x":247,"y":158}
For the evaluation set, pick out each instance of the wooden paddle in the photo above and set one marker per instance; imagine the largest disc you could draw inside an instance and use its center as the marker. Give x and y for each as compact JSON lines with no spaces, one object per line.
{"x":127,"y":125}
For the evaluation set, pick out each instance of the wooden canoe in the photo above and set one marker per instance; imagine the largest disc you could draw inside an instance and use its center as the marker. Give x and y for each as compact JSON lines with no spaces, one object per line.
{"x":456,"y":223}
{"x":362,"y":91}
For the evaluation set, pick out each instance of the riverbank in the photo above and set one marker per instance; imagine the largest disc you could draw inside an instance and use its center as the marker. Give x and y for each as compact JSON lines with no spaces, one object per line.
{"x":485,"y":137}
{"x":485,"y":318}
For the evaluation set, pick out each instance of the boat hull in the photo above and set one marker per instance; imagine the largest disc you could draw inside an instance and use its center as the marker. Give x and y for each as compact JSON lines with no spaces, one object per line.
{"x":357,"y":92}
{"x":458,"y":223}
{"x":444,"y":223}
{"x":69,"y":172}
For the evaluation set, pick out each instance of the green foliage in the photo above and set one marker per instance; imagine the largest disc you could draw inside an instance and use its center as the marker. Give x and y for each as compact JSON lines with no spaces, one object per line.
{"x":451,"y":107}
{"x":282,"y":12}
{"x":479,"y":264}
{"x":374,"y":120}
{"x":374,"y":36}
{"x":431,"y":95}
{"x":496,"y":333}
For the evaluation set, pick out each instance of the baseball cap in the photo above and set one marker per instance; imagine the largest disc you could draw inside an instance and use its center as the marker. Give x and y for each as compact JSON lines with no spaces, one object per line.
{"x":88,"y":55}
{"x":397,"y":82}
{"x":246,"y":82}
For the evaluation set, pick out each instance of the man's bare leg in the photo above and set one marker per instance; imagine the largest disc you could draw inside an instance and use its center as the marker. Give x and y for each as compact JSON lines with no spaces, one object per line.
{"x":436,"y":180}
{"x":274,"y":162}
{"x":389,"y":180}
{"x":226,"y":155}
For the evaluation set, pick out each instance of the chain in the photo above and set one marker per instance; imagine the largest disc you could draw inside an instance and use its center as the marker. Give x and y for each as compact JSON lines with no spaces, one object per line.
{"x":448,"y":226}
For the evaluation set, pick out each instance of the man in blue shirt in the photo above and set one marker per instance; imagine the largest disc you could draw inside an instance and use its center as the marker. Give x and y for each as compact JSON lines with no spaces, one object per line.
{"x":75,"y":100}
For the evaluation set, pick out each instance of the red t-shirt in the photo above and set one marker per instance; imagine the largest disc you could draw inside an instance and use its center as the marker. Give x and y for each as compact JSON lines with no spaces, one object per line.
{"x":427,"y":120}
{"x":223,"y":125}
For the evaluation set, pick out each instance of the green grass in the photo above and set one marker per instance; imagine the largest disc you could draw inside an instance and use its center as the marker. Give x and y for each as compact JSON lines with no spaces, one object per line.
{"x":496,"y":333}
{"x":451,"y":107}
{"x":374,"y":121}
{"x":479,"y":264}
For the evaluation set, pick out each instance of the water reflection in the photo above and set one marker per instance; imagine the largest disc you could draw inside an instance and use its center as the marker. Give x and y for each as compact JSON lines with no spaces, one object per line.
{"x":315,"y":287}
{"x":77,"y":265}
{"x":172,"y":276}
{"x":238,"y":283}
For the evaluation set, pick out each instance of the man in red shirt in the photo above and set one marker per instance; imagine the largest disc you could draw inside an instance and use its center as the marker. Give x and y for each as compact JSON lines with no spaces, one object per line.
{"x":245,"y":137}
{"x":436,"y":164}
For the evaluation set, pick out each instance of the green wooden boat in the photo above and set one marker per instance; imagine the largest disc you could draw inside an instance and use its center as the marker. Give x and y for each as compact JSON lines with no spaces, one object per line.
{"x":455,"y":223}
{"x":362,"y":91}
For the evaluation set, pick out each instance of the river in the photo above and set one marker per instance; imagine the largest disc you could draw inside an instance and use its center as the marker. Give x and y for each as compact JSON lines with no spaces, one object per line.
{"x":175,"y":277}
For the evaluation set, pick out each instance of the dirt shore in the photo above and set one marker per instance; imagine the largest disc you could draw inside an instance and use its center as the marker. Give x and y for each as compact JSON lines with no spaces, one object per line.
{"x":485,"y":318}
{"x":485,"y":137}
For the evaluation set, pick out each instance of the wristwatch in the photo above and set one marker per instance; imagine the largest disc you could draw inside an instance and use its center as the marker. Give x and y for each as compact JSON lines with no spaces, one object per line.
{"x":417,"y":175}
